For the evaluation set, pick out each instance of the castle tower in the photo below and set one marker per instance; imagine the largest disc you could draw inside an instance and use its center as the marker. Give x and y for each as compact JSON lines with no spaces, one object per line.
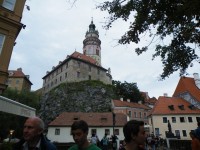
{"x":92,"y":44}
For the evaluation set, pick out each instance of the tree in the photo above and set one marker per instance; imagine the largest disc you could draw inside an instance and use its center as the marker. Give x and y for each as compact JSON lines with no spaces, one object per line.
{"x":25,"y":97}
{"x":162,"y":19}
{"x":127,"y":91}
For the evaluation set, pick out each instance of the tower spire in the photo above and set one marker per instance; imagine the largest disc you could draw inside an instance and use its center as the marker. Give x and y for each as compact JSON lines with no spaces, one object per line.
{"x":92,"y":44}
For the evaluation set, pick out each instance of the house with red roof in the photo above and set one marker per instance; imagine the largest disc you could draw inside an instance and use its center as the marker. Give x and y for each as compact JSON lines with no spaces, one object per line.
{"x":136,"y":111}
{"x":80,"y":67}
{"x":17,"y":80}
{"x":181,"y":115}
{"x":59,"y":130}
{"x":182,"y":110}
{"x":189,"y":89}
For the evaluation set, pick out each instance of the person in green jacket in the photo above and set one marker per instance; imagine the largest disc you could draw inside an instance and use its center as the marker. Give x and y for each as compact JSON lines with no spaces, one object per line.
{"x":79,"y":131}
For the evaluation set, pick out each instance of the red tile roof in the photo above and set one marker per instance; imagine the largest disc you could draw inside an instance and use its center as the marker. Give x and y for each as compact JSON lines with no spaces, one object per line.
{"x":16,"y":74}
{"x":79,"y":56}
{"x":162,"y":106}
{"x":119,"y":103}
{"x":92,"y":118}
{"x":147,"y":99}
{"x":187,"y":84}
{"x":83,"y":57}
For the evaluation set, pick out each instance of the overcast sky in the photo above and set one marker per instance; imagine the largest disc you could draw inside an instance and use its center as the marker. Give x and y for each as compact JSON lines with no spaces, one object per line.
{"x":55,"y":30}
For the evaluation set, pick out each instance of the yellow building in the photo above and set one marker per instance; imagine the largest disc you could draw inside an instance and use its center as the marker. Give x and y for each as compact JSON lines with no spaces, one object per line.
{"x":10,"y":26}
{"x":17,"y":80}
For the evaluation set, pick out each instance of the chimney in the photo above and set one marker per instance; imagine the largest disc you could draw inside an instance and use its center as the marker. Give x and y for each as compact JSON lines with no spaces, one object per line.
{"x":128,"y":100}
{"x":121,"y":99}
{"x":27,"y":76}
{"x":19,"y":69}
{"x":165,"y":95}
{"x":196,"y":80}
{"x":139,"y":102}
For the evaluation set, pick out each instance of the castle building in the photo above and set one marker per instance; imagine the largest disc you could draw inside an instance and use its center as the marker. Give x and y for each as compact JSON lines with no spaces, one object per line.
{"x":80,"y":67}
{"x":17,"y":80}
{"x":10,"y":26}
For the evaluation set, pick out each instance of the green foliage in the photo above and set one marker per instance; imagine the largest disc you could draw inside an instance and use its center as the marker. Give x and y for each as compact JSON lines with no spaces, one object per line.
{"x":25,"y":97}
{"x":177,"y":20}
{"x":127,"y":91}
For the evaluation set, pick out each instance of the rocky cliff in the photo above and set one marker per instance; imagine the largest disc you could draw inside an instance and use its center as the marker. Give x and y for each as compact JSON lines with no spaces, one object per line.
{"x":86,"y":96}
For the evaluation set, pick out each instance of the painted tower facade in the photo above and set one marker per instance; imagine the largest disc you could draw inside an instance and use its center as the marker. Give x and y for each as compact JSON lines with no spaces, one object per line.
{"x":92,"y":44}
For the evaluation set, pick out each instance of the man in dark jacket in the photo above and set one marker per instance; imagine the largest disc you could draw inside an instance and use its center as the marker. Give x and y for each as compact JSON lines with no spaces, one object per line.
{"x":33,"y":138}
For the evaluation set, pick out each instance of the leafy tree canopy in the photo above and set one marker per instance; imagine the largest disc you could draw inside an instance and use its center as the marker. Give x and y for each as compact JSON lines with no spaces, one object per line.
{"x":127,"y":91}
{"x":177,"y":20}
{"x":25,"y":97}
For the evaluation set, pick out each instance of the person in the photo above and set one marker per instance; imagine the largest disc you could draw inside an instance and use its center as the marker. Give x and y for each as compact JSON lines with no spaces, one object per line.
{"x":195,"y":144}
{"x":134,"y":135}
{"x":79,"y":131}
{"x":105,"y":142}
{"x":197,"y":131}
{"x":114,"y":141}
{"x":121,"y":145}
{"x":33,"y":137}
{"x":94,"y":139}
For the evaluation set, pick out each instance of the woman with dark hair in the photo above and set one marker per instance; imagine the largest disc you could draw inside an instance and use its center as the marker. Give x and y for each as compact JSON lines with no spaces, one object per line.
{"x":134,"y":135}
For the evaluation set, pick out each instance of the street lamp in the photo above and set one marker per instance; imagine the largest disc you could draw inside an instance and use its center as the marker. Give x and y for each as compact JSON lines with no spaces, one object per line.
{"x":113,"y":122}
{"x":10,"y":135}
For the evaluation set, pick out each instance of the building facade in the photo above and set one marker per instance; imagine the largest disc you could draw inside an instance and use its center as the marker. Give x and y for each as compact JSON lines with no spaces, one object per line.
{"x":135,"y":111}
{"x":181,"y":115}
{"x":99,"y":123}
{"x":188,"y":88}
{"x":10,"y":26}
{"x":80,"y":67}
{"x":17,"y":80}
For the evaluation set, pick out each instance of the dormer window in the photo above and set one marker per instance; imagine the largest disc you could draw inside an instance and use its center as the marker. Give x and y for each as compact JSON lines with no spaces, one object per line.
{"x":181,"y":107}
{"x":191,"y":107}
{"x":103,"y":119}
{"x":171,"y":107}
{"x":76,"y":118}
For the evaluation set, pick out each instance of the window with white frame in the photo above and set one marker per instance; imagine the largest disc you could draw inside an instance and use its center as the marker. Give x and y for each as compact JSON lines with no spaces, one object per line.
{"x":173,"y":119}
{"x":2,"y":38}
{"x":9,"y":4}
{"x":190,"y":119}
{"x":182,"y":119}
{"x":140,"y":114}
{"x":164,"y":119}
{"x":129,"y":113}
{"x":107,"y":131}
{"x":184,"y":133}
{"x":57,"y":131}
{"x":135,"y":114}
{"x":116,"y":131}
{"x":177,"y":133}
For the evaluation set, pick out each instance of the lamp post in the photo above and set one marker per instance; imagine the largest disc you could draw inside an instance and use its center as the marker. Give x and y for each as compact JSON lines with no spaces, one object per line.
{"x":113,"y":114}
{"x":10,"y":135}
